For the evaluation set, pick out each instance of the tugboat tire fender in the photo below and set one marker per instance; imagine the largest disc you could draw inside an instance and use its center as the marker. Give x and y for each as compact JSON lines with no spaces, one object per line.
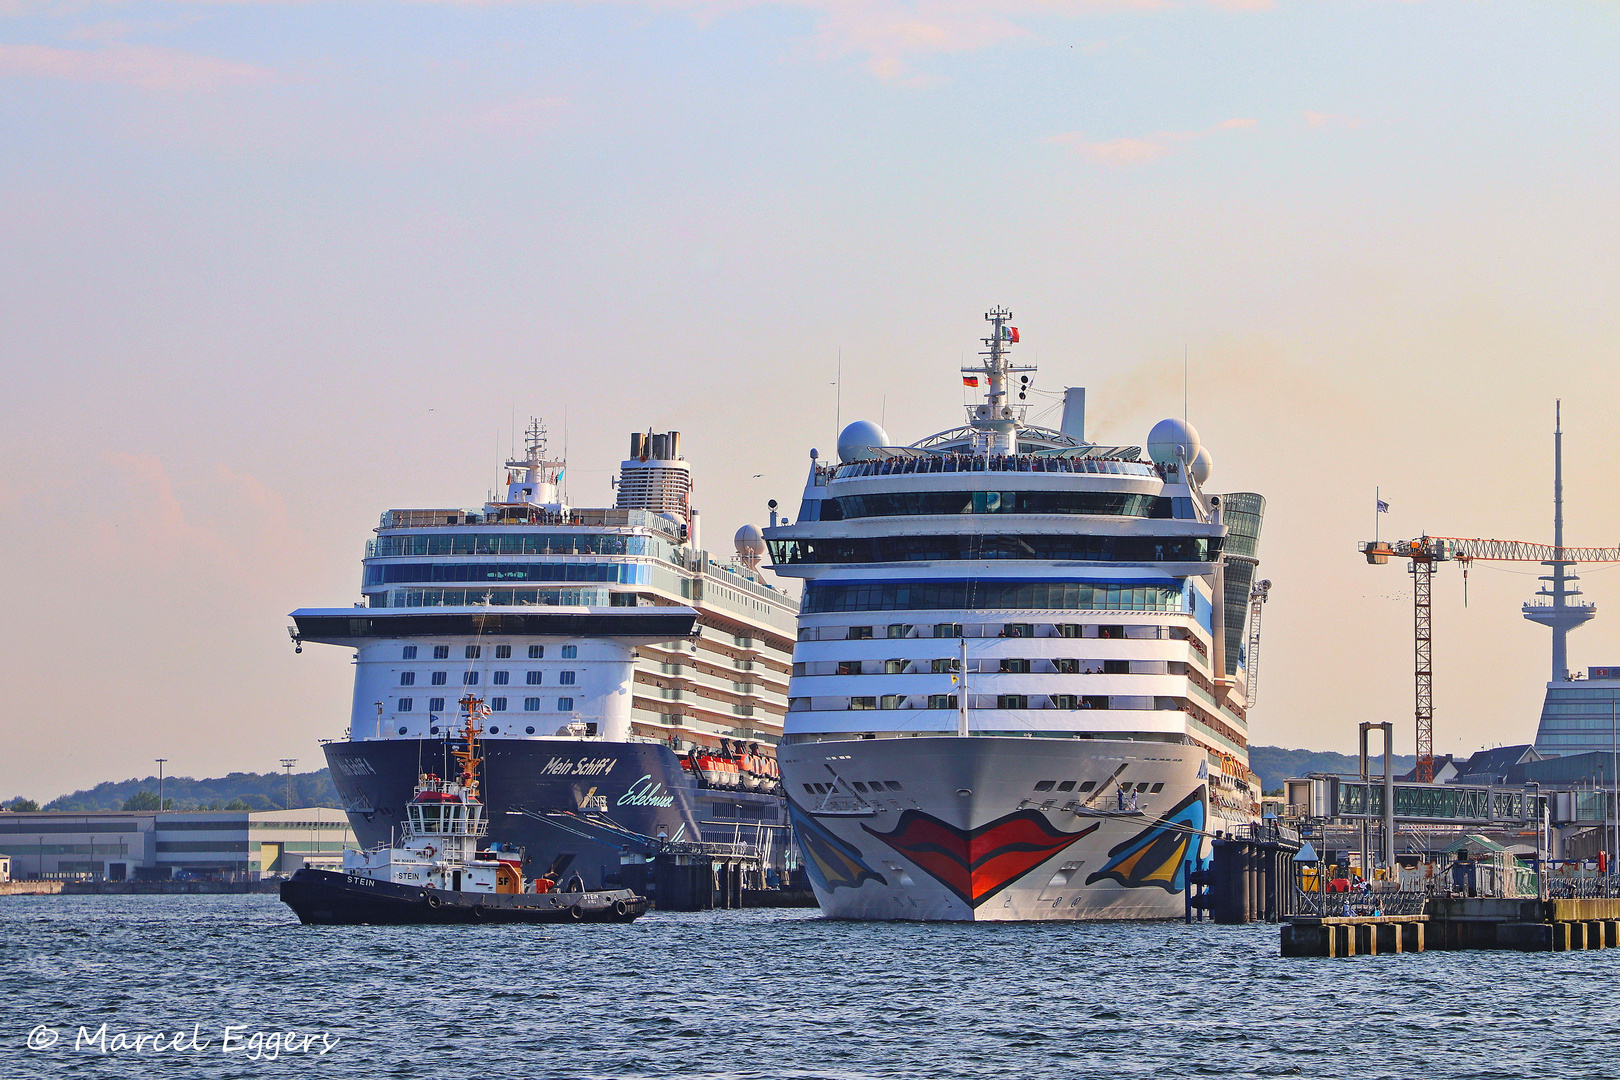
{"x":577,"y":912}
{"x":434,"y":900}
{"x":620,"y":908}
{"x":478,"y":912}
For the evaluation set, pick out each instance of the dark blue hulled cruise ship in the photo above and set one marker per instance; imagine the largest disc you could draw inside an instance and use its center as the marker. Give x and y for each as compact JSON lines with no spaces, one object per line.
{"x":627,"y":682}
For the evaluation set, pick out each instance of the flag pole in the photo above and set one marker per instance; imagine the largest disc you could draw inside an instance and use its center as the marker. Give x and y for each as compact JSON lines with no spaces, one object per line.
{"x":1378,"y":499}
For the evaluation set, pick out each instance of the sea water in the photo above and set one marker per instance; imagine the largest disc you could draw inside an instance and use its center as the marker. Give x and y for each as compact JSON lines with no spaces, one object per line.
{"x":234,"y":986}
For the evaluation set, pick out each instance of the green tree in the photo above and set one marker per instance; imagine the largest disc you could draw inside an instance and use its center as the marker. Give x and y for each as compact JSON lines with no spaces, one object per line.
{"x":145,"y":800}
{"x":22,"y":805}
{"x":237,"y":804}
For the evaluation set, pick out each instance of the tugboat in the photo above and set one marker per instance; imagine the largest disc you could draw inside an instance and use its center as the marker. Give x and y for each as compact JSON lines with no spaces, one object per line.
{"x":437,"y":874}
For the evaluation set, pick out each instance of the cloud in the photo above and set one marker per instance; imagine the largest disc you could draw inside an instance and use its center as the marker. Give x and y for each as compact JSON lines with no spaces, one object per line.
{"x":145,"y":66}
{"x":1136,"y":150}
{"x":1321,"y":119}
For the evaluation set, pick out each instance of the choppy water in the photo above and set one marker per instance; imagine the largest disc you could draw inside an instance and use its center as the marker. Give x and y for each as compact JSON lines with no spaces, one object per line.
{"x":768,"y":994}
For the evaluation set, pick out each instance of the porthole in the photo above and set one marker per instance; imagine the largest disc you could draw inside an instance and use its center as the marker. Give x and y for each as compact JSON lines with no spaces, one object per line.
{"x":529,"y":730}
{"x":402,"y":731}
{"x":494,"y":731}
{"x":963,"y":792}
{"x":431,"y":731}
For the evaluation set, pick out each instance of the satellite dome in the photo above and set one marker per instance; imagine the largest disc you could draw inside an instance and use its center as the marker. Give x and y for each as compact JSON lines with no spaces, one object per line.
{"x":1173,"y":442}
{"x":749,"y":541}
{"x":856,"y":442}
{"x":1201,"y":464}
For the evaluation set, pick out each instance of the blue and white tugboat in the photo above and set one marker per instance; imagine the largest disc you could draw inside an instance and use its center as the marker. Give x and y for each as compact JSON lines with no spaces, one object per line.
{"x":439,"y":870}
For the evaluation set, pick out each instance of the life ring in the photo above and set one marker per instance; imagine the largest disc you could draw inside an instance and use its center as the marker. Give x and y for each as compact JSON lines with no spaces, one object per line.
{"x":434,"y":900}
{"x":429,"y":851}
{"x":620,"y":908}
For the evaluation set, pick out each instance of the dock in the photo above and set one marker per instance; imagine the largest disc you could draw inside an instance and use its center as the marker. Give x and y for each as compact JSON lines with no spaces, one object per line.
{"x":1454,"y":923}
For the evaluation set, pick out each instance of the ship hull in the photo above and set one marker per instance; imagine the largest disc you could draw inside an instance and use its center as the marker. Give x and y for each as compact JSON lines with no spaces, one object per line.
{"x":321,"y":897}
{"x":978,"y":829}
{"x":641,"y":787}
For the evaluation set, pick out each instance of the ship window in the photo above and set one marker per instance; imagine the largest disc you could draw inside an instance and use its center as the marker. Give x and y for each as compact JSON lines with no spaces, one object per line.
{"x":863,"y":702}
{"x":474,"y":651}
{"x":942,"y":701}
{"x":860,"y":787}
{"x":531,"y":704}
{"x":431,"y":731}
{"x":406,"y":704}
{"x":899,"y":629}
{"x":1018,"y":630}
{"x":1067,"y":785}
{"x":534,"y":678}
{"x":469,"y":678}
{"x":1088,"y":785}
{"x":1045,"y":785}
{"x":1065,"y":701}
{"x":503,"y":652}
{"x":1015,"y":666}
{"x":409,"y":653}
{"x":1116,"y":667}
{"x":894,"y":667}
{"x":894,"y":785}
{"x":1094,"y":701}
{"x":948,"y":629}
{"x":440,"y":678}
{"x":858,"y":633}
{"x":891,"y":701}
{"x":402,"y":731}
{"x":501,"y":678}
{"x":1068,"y":630}
{"x":537,"y":652}
{"x":809,"y":790}
{"x":441,"y":652}
{"x":947,"y":664}
{"x":849,"y":667}
{"x":567,"y":678}
{"x":407,"y":678}
{"x":529,"y":730}
{"x":436,"y":704}
{"x":1067,"y":665}
{"x":494,"y":730}
{"x":570,"y":651}
{"x":1155,"y":789}
{"x":1012,"y":701}
{"x":565,"y":704}
{"x":497,"y":704}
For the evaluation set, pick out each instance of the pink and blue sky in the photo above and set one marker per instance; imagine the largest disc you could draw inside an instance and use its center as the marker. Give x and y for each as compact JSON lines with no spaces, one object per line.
{"x":270,"y":268}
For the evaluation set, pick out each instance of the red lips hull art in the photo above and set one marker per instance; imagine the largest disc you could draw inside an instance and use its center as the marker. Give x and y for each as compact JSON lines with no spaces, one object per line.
{"x":978,"y":863}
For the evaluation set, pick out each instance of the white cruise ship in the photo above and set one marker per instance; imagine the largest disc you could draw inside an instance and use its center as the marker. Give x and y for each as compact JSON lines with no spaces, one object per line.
{"x":1020,"y":684}
{"x":632,"y":683}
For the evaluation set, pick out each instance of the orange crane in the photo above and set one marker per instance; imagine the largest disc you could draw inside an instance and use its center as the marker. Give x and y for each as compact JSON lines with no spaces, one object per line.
{"x":1426,"y":551}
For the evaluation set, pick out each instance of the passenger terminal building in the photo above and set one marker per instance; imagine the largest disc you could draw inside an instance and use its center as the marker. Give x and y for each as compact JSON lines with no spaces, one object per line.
{"x":125,"y":845}
{"x":1581,"y":716}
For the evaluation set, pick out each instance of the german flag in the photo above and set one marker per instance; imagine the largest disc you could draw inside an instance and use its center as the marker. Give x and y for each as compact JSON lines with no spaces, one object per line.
{"x":970,"y":380}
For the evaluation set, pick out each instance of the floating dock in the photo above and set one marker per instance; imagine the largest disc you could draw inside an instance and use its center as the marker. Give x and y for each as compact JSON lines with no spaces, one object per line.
{"x":1461,"y":923}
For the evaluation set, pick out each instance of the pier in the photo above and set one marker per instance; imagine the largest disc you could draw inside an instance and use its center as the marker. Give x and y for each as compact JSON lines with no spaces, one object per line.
{"x":1454,"y":923}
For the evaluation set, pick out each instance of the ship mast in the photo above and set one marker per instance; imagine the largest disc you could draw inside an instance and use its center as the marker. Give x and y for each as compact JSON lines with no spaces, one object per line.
{"x":471,"y":708}
{"x":996,"y":420}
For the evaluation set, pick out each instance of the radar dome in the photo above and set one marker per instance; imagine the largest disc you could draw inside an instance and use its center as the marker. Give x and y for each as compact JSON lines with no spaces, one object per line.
{"x":857,"y":441}
{"x":1200,"y":466}
{"x":749,"y":541}
{"x":1173,"y":442}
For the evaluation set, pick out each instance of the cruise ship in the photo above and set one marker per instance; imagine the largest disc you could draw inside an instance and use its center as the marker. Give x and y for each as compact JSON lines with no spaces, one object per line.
{"x":630,"y":683}
{"x":1022,"y":674}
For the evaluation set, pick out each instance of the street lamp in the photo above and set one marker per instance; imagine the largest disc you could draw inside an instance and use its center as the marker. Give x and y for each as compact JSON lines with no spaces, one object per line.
{"x":160,"y":761}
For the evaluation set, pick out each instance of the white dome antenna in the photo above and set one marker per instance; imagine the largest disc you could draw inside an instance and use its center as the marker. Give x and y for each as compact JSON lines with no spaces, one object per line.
{"x":860,"y":440}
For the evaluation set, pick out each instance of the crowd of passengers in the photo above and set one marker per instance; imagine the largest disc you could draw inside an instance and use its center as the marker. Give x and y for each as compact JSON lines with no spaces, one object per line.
{"x":950,"y":463}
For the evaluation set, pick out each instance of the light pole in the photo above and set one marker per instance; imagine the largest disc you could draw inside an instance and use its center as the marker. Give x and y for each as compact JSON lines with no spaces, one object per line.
{"x":287,"y":763}
{"x":160,"y":762}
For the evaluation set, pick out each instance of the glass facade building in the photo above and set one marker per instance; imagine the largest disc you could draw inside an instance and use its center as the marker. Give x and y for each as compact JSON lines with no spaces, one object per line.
{"x":1581,"y":716}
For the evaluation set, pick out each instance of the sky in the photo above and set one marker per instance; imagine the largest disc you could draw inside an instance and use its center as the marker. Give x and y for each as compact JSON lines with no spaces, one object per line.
{"x":270,"y":268}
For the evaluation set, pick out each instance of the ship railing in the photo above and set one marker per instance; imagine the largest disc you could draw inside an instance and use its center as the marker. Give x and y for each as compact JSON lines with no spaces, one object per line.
{"x":977,"y":463}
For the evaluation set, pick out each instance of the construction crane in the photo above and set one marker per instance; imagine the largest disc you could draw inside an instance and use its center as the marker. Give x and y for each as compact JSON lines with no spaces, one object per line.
{"x":1560,"y":615}
{"x":1257,"y":598}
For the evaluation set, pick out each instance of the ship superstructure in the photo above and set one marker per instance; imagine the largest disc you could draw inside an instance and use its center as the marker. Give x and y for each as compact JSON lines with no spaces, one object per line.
{"x":627,"y":672}
{"x":1019,"y":689}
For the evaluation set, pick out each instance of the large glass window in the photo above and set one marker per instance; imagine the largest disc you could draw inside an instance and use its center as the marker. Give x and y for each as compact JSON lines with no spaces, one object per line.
{"x":906,"y":503}
{"x":975,"y":546}
{"x":986,"y":595}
